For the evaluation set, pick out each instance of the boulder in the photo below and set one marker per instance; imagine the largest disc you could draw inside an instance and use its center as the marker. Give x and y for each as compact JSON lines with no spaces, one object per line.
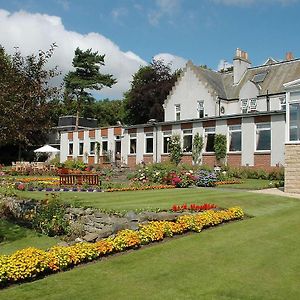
{"x":90,"y":237}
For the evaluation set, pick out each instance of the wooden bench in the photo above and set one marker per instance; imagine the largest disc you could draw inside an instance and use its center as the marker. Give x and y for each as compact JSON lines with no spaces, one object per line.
{"x":79,"y":179}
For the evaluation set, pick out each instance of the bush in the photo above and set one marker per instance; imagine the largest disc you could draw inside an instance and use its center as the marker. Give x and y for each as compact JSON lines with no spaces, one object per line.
{"x":206,"y":178}
{"x":49,"y":217}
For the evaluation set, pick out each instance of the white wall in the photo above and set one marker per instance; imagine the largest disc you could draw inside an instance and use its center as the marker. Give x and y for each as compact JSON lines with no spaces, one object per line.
{"x":187,"y":92}
{"x":277,"y":139}
{"x":248,"y":141}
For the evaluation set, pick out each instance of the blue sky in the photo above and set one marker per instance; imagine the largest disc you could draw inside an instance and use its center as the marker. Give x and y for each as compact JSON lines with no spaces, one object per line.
{"x":131,"y":32}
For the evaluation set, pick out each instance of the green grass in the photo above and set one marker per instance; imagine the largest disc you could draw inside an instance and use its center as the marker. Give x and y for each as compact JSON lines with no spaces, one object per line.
{"x":17,"y":237}
{"x":164,"y":199}
{"x":249,"y":184}
{"x":257,"y":258}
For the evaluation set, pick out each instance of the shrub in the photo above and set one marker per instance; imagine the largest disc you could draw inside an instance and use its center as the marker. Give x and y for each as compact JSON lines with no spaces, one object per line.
{"x":49,"y":217}
{"x":206,"y":179}
{"x":175,"y":149}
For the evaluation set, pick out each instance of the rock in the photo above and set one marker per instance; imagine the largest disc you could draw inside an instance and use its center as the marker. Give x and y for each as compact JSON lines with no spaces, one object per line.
{"x":147,"y":216}
{"x":90,"y":229}
{"x":90,"y":237}
{"x":79,"y":240}
{"x":166,"y":216}
{"x":134,"y":225}
{"x":105,"y":232}
{"x":88,"y":211}
{"x":131,"y":216}
{"x":62,"y":244}
{"x":98,"y":214}
{"x":120,"y":226}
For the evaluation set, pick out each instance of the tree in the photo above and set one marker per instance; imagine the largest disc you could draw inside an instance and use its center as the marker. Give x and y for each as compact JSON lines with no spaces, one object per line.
{"x":197,"y":148}
{"x":86,"y":78}
{"x":175,"y":149}
{"x":220,"y":147}
{"x":149,"y":88}
{"x":25,"y":97}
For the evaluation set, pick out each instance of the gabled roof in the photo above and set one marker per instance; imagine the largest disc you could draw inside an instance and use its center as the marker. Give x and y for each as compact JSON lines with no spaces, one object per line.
{"x":269,"y":78}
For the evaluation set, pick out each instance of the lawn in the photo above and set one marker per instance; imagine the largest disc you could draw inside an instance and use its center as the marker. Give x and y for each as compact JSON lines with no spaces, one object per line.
{"x":250,"y":184}
{"x":16,"y":237}
{"x":252,"y":259}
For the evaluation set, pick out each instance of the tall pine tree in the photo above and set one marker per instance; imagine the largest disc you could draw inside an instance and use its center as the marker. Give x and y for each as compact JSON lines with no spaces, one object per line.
{"x":85,"y":78}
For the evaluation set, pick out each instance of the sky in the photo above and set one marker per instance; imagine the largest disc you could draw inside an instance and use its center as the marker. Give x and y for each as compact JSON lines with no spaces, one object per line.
{"x":132,"y":32}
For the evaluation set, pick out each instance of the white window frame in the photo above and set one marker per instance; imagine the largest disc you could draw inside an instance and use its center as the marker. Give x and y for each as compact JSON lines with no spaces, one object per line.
{"x":207,"y":131}
{"x":283,"y":104}
{"x":132,"y":136}
{"x":232,"y":129}
{"x":291,"y":102}
{"x":166,"y":134}
{"x":187,"y":132}
{"x":70,"y":143}
{"x":81,"y":142}
{"x":148,"y":136}
{"x":92,"y":152}
{"x":265,"y":126}
{"x":177,"y":112}
{"x":200,"y":108}
{"x":104,"y":139}
{"x":244,"y":106}
{"x":253,"y":104}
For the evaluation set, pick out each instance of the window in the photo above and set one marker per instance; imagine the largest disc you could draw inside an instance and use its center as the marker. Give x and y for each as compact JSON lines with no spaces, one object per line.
{"x":235,"y":138}
{"x":80,"y":148}
{"x":244,"y":105}
{"x":167,"y":137}
{"x":294,"y":127}
{"x":177,"y":112}
{"x":104,"y":147}
{"x":209,"y":139}
{"x":200,"y":109}
{"x":149,"y":142}
{"x":263,"y":136}
{"x":187,"y":140}
{"x":70,"y":148}
{"x":92,"y":147}
{"x":132,"y":149}
{"x":253,"y":104}
{"x":282,"y":103}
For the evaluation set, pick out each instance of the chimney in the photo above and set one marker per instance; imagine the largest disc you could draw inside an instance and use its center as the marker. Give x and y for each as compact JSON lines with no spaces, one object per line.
{"x":240,"y":65}
{"x":289,"y":56}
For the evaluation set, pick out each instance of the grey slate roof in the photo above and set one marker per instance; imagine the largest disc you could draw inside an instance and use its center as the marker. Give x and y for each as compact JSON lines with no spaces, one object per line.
{"x":277,"y":75}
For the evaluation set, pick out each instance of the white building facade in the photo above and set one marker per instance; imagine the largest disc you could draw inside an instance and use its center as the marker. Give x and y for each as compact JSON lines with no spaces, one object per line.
{"x":247,"y":104}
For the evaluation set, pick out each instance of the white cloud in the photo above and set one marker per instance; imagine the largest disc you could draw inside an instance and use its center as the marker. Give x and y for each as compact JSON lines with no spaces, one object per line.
{"x":118,"y":13}
{"x":249,"y":2}
{"x":223,"y":64}
{"x":31,"y":32}
{"x":163,"y":8}
{"x":175,"y":62}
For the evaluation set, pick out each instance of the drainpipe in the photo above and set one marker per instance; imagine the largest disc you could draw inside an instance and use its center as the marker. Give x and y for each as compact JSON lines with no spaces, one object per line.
{"x":268,"y":101}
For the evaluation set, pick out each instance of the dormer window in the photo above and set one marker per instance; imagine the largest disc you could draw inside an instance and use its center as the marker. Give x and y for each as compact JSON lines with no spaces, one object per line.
{"x":282,"y":103}
{"x":244,"y":106}
{"x":253,"y":104}
{"x":200,"y":109}
{"x":177,"y":112}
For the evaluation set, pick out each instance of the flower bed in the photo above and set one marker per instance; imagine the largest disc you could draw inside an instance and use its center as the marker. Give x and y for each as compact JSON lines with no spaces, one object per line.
{"x":141,"y":188}
{"x":193,"y":207}
{"x":228,"y":182}
{"x":32,"y":263}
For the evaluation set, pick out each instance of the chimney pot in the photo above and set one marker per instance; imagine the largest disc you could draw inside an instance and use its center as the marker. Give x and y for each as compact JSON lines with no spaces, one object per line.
{"x":289,"y":56}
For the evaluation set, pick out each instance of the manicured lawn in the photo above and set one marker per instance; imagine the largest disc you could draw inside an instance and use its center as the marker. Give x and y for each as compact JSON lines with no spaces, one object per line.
{"x":164,"y":199}
{"x":16,"y":237}
{"x":249,"y":184}
{"x":257,"y":258}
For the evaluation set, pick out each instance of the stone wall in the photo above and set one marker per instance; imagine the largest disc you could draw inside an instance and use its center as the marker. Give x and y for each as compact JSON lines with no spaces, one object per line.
{"x":292,"y":168}
{"x":93,"y":224}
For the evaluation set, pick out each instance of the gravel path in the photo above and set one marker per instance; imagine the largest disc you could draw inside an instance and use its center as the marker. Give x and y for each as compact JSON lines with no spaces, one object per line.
{"x":277,"y":192}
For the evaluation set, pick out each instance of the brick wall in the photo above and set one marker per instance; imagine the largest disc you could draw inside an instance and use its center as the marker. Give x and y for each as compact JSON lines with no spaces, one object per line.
{"x":187,"y":159}
{"x":209,"y":160}
{"x":292,"y":168}
{"x":148,"y":159}
{"x":234,"y":160}
{"x":131,"y":161}
{"x":262,"y":160}
{"x":91,"y":160}
{"x":164,"y":157}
